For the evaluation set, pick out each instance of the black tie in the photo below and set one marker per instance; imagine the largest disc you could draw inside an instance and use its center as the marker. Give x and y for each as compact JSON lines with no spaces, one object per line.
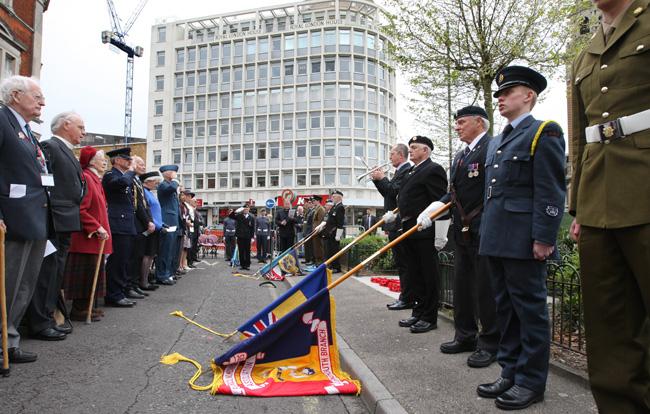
{"x":507,"y":130}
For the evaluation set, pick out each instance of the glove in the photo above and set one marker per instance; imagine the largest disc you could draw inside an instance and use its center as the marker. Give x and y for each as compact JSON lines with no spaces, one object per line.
{"x":442,"y":228}
{"x":389,"y":217}
{"x":239,"y":210}
{"x":423,"y":219}
{"x":338,"y":235}
{"x":320,"y":227}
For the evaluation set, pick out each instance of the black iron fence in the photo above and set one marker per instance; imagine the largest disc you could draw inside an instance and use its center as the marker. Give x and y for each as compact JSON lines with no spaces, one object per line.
{"x":563,"y":283}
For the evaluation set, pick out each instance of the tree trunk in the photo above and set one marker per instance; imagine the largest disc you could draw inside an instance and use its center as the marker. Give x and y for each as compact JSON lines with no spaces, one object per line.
{"x":486,"y":85}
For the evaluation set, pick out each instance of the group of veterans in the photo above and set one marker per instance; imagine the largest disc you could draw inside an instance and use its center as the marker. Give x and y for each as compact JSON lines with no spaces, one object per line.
{"x":73,"y":226}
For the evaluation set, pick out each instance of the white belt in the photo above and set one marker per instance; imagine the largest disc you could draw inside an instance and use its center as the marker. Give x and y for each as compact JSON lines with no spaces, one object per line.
{"x":618,"y":128}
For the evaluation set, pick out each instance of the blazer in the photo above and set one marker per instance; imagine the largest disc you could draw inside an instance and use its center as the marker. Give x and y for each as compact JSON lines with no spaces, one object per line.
{"x":69,"y":185}
{"x":524,"y":193}
{"x":26,"y":211}
{"x":245,"y":226}
{"x":319,"y":215}
{"x":288,"y":229}
{"x":118,"y":188}
{"x":168,"y":198}
{"x":422,"y":185}
{"x":93,"y":214}
{"x":335,"y":219}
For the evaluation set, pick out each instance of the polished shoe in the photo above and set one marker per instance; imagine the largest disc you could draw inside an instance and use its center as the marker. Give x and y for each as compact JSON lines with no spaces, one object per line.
{"x":405,"y":323}
{"x":494,"y":389}
{"x":65,"y":327}
{"x":518,"y":398}
{"x":423,"y":326}
{"x":169,"y":282}
{"x":140,"y":291}
{"x":149,"y":287}
{"x":132,"y":294}
{"x":400,"y":305}
{"x":456,"y":347}
{"x":50,"y":334}
{"x":122,"y":303}
{"x":18,"y":356}
{"x":481,"y":359}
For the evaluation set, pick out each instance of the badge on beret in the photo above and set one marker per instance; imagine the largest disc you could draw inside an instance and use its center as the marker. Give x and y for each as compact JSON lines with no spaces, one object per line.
{"x":552,"y":211}
{"x":501,"y":78}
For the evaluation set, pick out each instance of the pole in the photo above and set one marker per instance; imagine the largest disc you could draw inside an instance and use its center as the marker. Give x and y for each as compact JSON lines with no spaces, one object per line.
{"x":373,"y":256}
{"x":5,"y":371}
{"x":94,"y":287}
{"x":359,"y":237}
{"x":295,"y":246}
{"x":449,"y":138}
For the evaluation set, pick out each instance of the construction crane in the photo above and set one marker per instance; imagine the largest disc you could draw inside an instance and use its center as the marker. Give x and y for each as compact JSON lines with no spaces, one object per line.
{"x":117,"y":37}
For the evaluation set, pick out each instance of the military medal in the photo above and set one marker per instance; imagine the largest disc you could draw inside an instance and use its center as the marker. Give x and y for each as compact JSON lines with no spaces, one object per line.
{"x":472,"y":170}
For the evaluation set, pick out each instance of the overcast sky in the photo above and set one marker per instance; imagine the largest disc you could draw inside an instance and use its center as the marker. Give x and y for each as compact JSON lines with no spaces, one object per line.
{"x":81,"y":73}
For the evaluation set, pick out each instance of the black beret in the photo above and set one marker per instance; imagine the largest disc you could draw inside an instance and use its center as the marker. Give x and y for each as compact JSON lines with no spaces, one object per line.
{"x":471,"y":111}
{"x":120,"y":152}
{"x":419,"y":139}
{"x":338,"y":192}
{"x":168,"y":168}
{"x":316,"y":198}
{"x":150,"y":174}
{"x":519,"y":75}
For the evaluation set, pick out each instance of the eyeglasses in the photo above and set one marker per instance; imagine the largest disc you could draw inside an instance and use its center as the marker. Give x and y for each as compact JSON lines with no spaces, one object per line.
{"x":37,"y":96}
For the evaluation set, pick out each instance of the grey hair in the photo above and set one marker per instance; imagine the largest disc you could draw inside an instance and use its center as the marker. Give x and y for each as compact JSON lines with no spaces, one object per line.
{"x":13,"y":84}
{"x":486,"y":123}
{"x":402,"y":149}
{"x":58,"y":120}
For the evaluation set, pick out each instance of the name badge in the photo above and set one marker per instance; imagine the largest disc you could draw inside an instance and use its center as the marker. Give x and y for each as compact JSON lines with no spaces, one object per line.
{"x":47,"y":180}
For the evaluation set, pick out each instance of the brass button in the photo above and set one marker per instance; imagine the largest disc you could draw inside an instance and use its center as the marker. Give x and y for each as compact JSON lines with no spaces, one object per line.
{"x":45,"y":205}
{"x":638,"y":11}
{"x":605,"y":114}
{"x":514,"y":158}
{"x":498,"y":151}
{"x":639,"y":48}
{"x":577,"y":79}
{"x":494,"y":180}
{"x":496,"y":165}
{"x":604,"y":89}
{"x":603,"y":67}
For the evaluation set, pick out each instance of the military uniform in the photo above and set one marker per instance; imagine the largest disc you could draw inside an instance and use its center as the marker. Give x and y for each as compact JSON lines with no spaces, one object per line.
{"x":308,"y":227}
{"x":263,"y":235}
{"x":610,"y":195}
{"x":319,"y":216}
{"x":334,"y":221}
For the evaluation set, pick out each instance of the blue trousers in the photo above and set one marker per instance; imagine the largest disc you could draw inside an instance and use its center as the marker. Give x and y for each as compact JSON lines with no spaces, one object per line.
{"x":117,"y":266}
{"x":167,"y":250}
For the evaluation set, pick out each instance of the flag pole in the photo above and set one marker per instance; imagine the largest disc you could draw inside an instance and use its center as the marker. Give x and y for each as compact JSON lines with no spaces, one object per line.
{"x":3,"y":307}
{"x":397,"y":240}
{"x":359,"y":237}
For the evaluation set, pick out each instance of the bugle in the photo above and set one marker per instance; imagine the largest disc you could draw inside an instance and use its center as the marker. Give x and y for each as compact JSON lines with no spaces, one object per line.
{"x":366,"y":174}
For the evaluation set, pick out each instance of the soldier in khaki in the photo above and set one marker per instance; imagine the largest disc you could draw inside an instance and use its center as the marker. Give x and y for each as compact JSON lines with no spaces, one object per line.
{"x":319,"y":215}
{"x":610,"y":200}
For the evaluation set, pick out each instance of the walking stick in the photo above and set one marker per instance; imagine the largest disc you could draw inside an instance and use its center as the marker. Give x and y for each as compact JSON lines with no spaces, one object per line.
{"x":3,"y":307}
{"x":92,"y":290}
{"x":373,"y":256}
{"x":359,"y":237}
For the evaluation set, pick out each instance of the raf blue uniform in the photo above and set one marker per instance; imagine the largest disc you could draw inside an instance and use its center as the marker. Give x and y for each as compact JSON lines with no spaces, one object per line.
{"x":118,"y":188}
{"x":171,"y":217}
{"x":524,"y":202}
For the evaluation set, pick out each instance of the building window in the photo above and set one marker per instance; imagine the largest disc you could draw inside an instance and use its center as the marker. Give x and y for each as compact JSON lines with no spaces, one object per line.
{"x":330,"y":65}
{"x":261,"y":151}
{"x":358,"y":120}
{"x":315,"y":120}
{"x":287,"y":150}
{"x":287,"y":178}
{"x":344,"y":148}
{"x":160,"y":82}
{"x":329,"y":177}
{"x":223,"y":180}
{"x":301,"y":121}
{"x":235,"y":181}
{"x":212,"y":155}
{"x":330,"y":120}
{"x":288,"y":43}
{"x":158,"y":107}
{"x":198,"y":182}
{"x":236,"y":153}
{"x":248,"y":180}
{"x":288,"y":69}
{"x":314,"y":148}
{"x":162,"y":34}
{"x":160,"y":58}
{"x":188,"y":156}
{"x":212,"y":182}
{"x":157,"y":157}
{"x":287,"y":123}
{"x":344,"y":120}
{"x":314,"y":178}
{"x":157,"y":132}
{"x":261,"y":180}
{"x":301,"y":178}
{"x":359,"y":149}
{"x":301,"y":149}
{"x":302,"y":40}
{"x":191,"y":56}
{"x":248,"y":153}
{"x":344,"y":177}
{"x":200,"y":156}
{"x":315,"y":39}
{"x":223,"y":153}
{"x":330,"y":147}
{"x":180,"y":57}
{"x":274,"y":150}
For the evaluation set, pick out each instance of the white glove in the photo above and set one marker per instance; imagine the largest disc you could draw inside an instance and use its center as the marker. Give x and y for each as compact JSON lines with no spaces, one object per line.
{"x":320,"y":227}
{"x":338,"y":235}
{"x":442,"y":227}
{"x":423,"y":219}
{"x":389,"y":217}
{"x":239,"y":210}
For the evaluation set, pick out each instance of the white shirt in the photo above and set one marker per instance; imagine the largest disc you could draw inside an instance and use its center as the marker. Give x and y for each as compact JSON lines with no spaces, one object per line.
{"x":65,"y":141}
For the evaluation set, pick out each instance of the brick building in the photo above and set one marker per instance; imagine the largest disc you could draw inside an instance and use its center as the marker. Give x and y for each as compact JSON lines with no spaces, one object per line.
{"x":21,"y":32}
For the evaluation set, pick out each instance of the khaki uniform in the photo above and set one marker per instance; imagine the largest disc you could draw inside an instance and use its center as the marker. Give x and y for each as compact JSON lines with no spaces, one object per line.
{"x":319,"y":215}
{"x":610,"y":197}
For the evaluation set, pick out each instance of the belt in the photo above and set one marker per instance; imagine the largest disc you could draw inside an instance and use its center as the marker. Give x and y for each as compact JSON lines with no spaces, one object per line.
{"x":618,"y":128}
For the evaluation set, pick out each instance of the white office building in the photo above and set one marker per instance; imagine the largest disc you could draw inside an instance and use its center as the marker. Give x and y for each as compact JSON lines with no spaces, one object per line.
{"x":251,"y":103}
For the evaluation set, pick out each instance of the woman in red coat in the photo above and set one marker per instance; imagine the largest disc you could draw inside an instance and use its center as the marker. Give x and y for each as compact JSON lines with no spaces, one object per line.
{"x":84,"y":245}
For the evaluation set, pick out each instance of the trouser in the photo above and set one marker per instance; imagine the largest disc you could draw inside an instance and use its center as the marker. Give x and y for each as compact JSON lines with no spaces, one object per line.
{"x":522,"y":319}
{"x":309,"y":250}
{"x":286,"y":242}
{"x":244,"y":246}
{"x":263,"y":246}
{"x":192,"y":255}
{"x":473,"y":298}
{"x":22,"y":265}
{"x":47,"y":295}
{"x":406,"y":294}
{"x":615,"y":272}
{"x":318,"y":244}
{"x":135,"y":261}
{"x":166,"y":251}
{"x":230,"y":246}
{"x":178,"y":250}
{"x":117,"y":267}
{"x":423,"y":273}
{"x":332,"y":246}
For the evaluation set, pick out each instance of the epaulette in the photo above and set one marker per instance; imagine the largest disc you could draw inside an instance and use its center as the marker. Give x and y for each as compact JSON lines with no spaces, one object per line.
{"x":554,"y":130}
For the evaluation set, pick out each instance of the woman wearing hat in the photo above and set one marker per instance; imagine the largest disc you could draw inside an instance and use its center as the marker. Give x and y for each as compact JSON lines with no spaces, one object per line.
{"x":84,"y":246}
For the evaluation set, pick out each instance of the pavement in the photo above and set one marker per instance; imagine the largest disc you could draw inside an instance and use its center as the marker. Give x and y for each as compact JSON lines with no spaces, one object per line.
{"x":112,"y":366}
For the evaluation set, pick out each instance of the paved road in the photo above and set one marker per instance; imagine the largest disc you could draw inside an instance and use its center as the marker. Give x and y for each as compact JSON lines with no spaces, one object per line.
{"x":112,"y":366}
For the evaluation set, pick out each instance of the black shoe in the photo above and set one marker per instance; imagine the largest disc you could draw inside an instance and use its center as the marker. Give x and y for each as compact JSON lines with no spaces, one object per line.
{"x":65,"y":327}
{"x":261,"y":261}
{"x":494,"y":389}
{"x":456,"y":347}
{"x":122,"y":303}
{"x":140,"y":291}
{"x":518,"y":398}
{"x":181,"y":272}
{"x":18,"y":356}
{"x":132,"y":294}
{"x":169,"y":282}
{"x":423,"y":326}
{"x":405,"y":323}
{"x":191,"y":266}
{"x":50,"y":334}
{"x":149,"y":287}
{"x":400,"y":305}
{"x":481,"y":359}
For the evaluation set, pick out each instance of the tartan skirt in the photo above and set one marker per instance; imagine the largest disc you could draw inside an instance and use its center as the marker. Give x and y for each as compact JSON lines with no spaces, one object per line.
{"x":78,"y":276}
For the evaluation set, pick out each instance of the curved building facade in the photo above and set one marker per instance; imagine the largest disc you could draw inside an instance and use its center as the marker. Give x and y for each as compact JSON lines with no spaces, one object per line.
{"x":251,"y":103}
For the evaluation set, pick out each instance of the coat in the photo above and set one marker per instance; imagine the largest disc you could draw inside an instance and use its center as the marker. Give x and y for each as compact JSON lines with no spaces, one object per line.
{"x":69,"y":185}
{"x":118,"y":188}
{"x":245,"y":225}
{"x":21,"y":170}
{"x":285,"y":230}
{"x":168,"y":198}
{"x":389,"y":190}
{"x":610,"y":186}
{"x":335,"y":219}
{"x":524,"y":193}
{"x":93,"y":214}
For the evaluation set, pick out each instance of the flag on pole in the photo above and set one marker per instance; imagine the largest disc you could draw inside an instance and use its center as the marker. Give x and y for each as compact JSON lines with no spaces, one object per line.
{"x":234,"y":260}
{"x":285,"y":264}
